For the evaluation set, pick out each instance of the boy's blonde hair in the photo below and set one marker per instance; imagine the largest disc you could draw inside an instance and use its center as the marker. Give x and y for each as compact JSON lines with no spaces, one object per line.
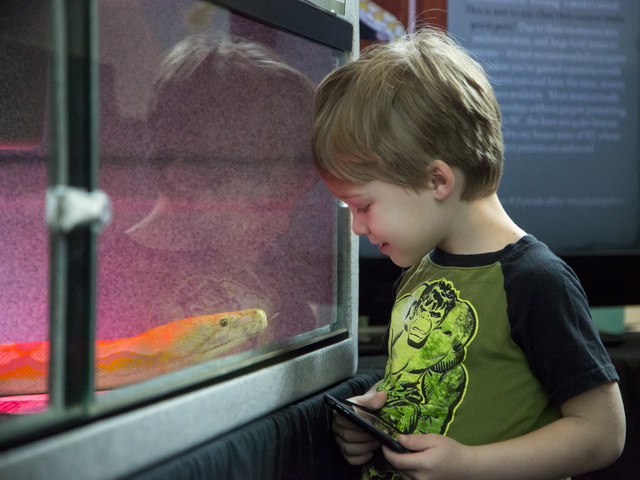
{"x":400,"y":106}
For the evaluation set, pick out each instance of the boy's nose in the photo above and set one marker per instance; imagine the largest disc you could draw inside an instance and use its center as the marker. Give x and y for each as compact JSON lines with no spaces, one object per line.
{"x":359,"y":227}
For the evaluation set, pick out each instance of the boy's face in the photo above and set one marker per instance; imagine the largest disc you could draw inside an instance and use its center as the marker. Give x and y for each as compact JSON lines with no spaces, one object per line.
{"x":405,"y":224}
{"x":237,"y":208}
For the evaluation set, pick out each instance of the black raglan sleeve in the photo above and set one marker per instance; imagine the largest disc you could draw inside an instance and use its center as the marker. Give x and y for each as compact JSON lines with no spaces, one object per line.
{"x":551,"y":321}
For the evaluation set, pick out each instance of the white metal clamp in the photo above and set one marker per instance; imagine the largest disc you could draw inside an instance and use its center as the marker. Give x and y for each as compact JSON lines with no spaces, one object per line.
{"x":70,"y":207}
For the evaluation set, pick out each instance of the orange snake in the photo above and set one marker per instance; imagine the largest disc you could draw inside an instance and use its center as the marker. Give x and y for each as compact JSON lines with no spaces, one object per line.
{"x":24,"y":366}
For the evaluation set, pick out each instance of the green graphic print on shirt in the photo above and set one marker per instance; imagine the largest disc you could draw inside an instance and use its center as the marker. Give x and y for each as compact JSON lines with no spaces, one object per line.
{"x":426,"y":378}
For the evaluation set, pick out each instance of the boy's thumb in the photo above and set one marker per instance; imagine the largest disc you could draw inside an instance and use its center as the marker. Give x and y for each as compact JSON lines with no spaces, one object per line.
{"x":377,"y":400}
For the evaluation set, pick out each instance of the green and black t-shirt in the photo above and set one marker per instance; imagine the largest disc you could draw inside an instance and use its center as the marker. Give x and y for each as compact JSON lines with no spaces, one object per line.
{"x":484,"y":348}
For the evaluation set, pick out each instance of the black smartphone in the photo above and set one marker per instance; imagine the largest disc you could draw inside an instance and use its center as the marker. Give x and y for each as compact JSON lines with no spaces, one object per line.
{"x":368,"y":420}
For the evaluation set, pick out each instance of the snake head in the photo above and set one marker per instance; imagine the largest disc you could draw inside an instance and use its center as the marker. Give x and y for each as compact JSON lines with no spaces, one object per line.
{"x":245,"y":323}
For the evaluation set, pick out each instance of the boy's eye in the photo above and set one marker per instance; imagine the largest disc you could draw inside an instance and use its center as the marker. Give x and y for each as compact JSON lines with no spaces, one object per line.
{"x":362,"y":209}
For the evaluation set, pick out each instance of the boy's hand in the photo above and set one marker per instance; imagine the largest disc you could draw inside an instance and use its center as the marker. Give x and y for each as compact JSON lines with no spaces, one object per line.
{"x":356,"y":445}
{"x":436,"y":457}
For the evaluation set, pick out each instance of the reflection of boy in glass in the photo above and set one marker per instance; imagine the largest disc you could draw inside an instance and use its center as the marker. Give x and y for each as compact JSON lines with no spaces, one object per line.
{"x":229,"y":129}
{"x":229,"y":149}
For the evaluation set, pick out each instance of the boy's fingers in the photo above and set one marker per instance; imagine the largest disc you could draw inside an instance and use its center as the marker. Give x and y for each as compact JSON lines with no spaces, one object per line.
{"x":357,"y":453}
{"x":378,"y":400}
{"x":348,"y":431}
{"x":343,"y":423}
{"x":416,"y":442}
{"x":373,"y":401}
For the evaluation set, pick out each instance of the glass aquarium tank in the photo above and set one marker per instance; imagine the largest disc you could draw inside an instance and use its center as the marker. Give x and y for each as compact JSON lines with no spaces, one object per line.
{"x":165,"y":234}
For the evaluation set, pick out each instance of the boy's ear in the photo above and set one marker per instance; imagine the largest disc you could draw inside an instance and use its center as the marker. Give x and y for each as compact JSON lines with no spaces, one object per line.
{"x":441,"y":179}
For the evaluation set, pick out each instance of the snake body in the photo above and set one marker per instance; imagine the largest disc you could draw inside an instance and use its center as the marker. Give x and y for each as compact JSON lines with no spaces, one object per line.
{"x":178,"y":344}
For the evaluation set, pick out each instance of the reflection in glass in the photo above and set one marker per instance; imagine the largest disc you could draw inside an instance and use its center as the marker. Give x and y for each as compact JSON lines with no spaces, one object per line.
{"x":24,"y":251}
{"x":205,"y":130}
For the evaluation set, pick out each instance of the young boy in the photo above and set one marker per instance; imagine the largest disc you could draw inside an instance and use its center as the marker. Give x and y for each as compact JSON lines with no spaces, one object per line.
{"x":495,"y":369}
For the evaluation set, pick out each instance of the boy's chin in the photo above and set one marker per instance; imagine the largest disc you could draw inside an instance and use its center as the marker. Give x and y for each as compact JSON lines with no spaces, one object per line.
{"x":401,"y":262}
{"x":404,"y":261}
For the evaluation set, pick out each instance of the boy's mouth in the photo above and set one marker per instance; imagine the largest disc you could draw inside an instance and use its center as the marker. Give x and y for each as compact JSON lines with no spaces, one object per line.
{"x":382,"y":247}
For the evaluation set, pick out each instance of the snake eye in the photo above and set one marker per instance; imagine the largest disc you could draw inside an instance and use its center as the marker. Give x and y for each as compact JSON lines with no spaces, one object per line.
{"x":224,"y":322}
